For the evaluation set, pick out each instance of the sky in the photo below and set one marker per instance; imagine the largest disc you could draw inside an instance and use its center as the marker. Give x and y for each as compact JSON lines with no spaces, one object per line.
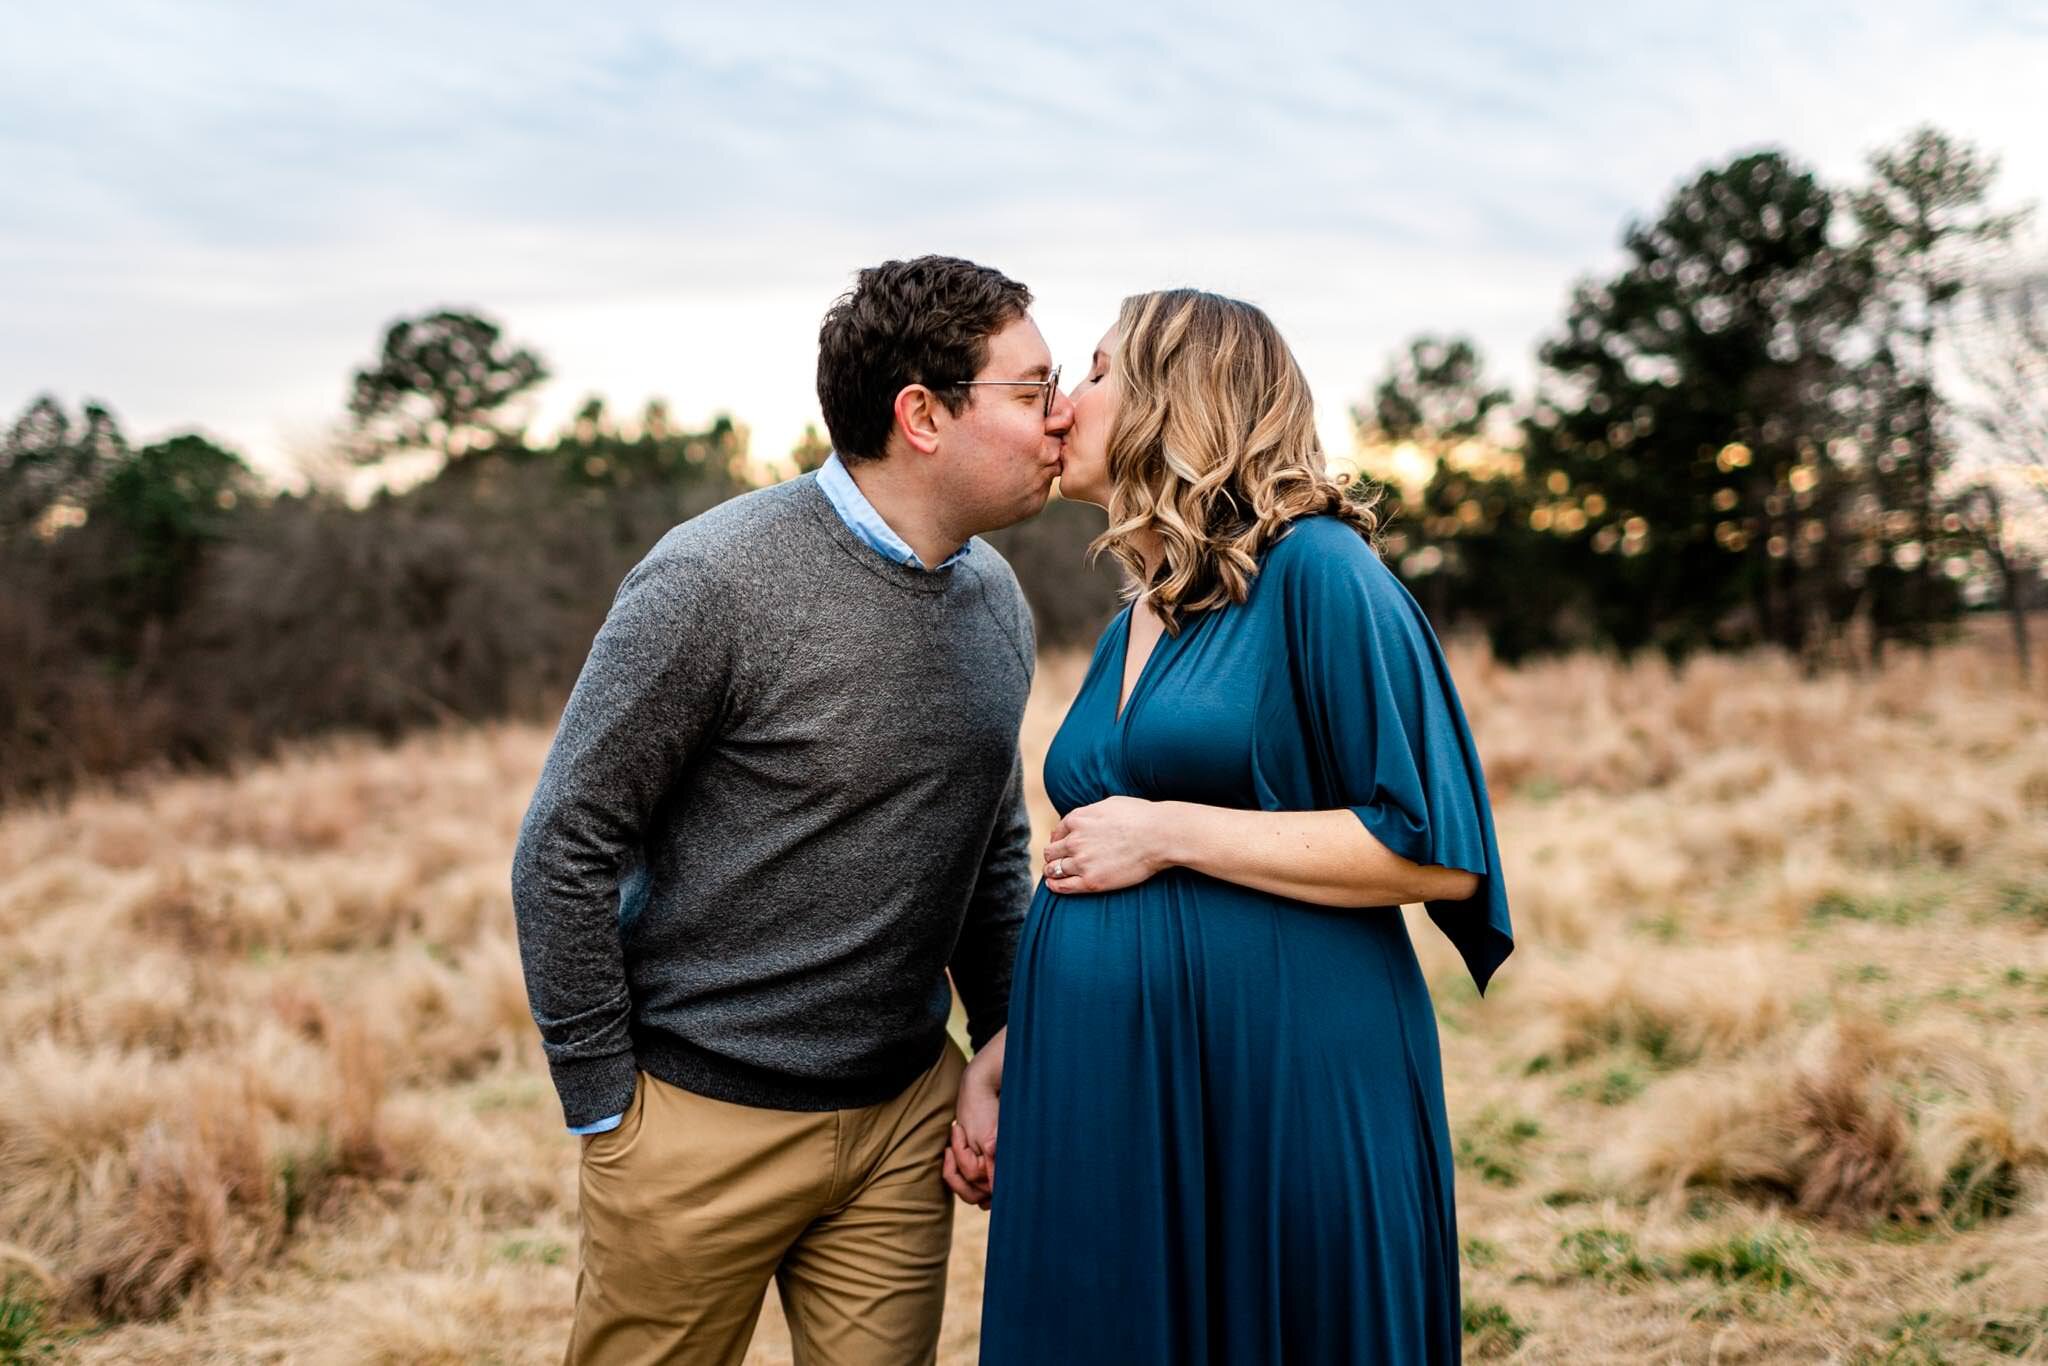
{"x":212,"y":211}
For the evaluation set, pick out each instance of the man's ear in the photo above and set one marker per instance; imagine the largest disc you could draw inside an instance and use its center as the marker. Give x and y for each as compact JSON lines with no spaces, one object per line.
{"x":917,"y":417}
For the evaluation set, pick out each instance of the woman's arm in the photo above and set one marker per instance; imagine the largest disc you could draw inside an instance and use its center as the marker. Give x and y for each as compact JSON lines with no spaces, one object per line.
{"x":1324,"y":857}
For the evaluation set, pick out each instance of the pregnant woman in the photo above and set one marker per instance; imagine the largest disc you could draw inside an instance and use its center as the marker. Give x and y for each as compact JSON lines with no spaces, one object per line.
{"x":1222,"y":1114}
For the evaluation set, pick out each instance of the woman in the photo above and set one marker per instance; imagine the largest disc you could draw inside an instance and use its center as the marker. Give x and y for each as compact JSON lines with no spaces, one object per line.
{"x":1223,"y":1129}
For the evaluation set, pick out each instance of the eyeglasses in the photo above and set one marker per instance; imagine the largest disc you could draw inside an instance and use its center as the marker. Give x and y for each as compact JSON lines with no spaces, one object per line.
{"x":1051,"y":385}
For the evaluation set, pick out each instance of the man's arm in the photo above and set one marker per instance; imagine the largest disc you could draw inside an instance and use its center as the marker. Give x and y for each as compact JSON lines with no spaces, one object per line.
{"x":981,"y":967}
{"x":654,"y":685}
{"x":987,"y":948}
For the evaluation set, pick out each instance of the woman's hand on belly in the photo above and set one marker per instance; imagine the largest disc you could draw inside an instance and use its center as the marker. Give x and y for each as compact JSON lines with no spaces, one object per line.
{"x":1326,"y":858}
{"x":1114,"y":843}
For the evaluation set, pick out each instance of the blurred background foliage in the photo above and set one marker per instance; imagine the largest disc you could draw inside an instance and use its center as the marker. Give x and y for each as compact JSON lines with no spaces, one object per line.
{"x":1801,"y":416}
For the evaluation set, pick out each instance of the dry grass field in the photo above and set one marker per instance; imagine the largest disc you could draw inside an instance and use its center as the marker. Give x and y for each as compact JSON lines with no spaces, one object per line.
{"x":1764,"y":1080}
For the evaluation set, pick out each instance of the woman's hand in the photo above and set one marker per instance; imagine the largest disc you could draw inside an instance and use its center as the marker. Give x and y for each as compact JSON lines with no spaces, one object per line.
{"x":969,"y":1165}
{"x":1116,"y":842}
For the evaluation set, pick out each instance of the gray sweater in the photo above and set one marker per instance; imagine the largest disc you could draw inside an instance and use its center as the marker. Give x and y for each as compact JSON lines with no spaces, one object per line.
{"x":784,"y":799}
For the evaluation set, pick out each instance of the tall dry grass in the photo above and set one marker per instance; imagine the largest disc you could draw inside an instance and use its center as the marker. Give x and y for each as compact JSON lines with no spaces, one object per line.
{"x":1763,"y":1081}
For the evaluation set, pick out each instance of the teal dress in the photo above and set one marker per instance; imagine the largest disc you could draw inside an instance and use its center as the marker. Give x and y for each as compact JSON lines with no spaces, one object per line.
{"x":1222,"y":1135}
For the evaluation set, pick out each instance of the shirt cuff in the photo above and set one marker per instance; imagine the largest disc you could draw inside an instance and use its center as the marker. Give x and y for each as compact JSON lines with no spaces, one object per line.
{"x":599,"y":1126}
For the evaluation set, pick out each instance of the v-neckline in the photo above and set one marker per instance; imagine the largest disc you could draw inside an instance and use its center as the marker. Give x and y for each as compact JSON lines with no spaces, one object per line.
{"x":1123,"y":701}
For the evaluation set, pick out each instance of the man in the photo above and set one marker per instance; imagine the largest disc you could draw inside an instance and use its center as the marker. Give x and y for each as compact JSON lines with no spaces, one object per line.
{"x":784,"y":801}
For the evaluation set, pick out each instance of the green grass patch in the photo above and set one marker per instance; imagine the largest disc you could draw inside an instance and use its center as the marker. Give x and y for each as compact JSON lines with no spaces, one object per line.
{"x":1653,"y":1040}
{"x":1617,"y":1086}
{"x":1492,"y":1145}
{"x":300,"y":1177}
{"x":1606,"y":1255}
{"x":25,"y":1333}
{"x":1706,"y":1204}
{"x":1763,"y":1261}
{"x":2024,"y":901}
{"x":1660,"y":1045}
{"x":1979,"y":1187}
{"x":2013,"y":1335}
{"x":1665,"y":929}
{"x":1901,"y":1230}
{"x":1490,"y":1330}
{"x":1453,"y":995}
{"x":544,"y":1251}
{"x":1913,"y":1339}
{"x":1479,"y":1252}
{"x":1881,"y":910}
{"x":1930,"y":1336}
{"x":1453,"y":989}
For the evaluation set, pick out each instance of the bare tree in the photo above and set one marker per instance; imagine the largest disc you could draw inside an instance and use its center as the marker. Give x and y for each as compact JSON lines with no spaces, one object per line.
{"x":2003,"y":502}
{"x":1925,"y":225}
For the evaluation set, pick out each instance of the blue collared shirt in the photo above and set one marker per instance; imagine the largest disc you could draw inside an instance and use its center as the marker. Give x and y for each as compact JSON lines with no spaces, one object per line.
{"x":858,"y":513}
{"x":860,"y":516}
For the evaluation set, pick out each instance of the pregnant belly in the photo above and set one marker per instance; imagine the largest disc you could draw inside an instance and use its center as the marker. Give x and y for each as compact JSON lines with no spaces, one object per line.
{"x":1185,"y":945}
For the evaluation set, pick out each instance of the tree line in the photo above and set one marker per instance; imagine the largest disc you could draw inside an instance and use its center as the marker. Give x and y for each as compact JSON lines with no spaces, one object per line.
{"x":1752,"y":434}
{"x":160,"y":607}
{"x":1804,"y":416}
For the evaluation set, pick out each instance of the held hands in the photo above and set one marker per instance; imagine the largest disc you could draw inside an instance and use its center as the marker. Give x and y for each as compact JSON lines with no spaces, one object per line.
{"x":1106,"y":845}
{"x":969,"y":1165}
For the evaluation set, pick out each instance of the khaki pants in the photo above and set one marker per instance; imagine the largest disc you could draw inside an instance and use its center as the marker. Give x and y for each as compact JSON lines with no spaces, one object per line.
{"x":692,"y":1204}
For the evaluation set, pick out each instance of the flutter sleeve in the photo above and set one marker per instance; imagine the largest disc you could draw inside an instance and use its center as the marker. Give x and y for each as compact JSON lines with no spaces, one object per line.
{"x":1378,"y":728}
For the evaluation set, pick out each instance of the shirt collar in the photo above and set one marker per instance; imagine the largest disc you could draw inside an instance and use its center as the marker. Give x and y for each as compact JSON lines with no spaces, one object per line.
{"x":860,"y":516}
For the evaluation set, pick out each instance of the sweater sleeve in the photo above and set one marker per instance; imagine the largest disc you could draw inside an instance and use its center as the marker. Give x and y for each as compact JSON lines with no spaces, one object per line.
{"x":987,"y":947}
{"x":654,"y":685}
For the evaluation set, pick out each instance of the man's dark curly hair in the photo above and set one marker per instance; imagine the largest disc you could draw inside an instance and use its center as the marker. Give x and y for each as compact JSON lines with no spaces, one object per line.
{"x":925,"y":321}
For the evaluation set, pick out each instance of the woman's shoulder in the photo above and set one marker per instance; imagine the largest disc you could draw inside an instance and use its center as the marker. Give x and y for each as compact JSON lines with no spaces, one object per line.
{"x":1328,"y":578}
{"x":1323,"y":552}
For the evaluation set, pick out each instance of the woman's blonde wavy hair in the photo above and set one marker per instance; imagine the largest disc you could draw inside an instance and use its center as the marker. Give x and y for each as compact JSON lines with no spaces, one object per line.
{"x":1213,"y":450}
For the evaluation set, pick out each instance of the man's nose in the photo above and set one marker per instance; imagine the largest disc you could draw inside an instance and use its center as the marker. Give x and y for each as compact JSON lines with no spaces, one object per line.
{"x":1062,"y":415}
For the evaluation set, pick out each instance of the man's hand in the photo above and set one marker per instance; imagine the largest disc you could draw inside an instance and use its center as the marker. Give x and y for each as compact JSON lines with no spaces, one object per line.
{"x":969,"y":1165}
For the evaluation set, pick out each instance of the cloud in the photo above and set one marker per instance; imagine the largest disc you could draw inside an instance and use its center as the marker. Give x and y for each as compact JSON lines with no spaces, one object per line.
{"x":214,"y":209}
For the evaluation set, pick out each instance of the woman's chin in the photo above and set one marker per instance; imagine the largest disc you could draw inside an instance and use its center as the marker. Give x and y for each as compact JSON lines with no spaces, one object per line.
{"x":1075,"y":492}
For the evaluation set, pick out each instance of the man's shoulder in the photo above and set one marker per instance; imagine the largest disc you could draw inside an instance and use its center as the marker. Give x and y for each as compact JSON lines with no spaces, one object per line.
{"x":998,"y":579}
{"x":988,"y":562}
{"x":733,"y":532}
